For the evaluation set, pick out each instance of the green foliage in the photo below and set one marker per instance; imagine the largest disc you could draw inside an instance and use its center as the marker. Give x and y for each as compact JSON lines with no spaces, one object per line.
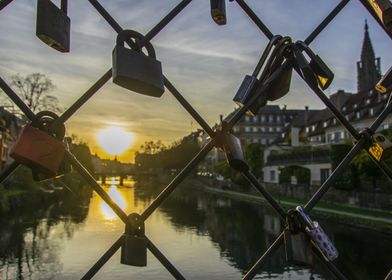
{"x":83,"y":154}
{"x":236,"y":177}
{"x":156,"y":155}
{"x":349,"y":179}
{"x":254,"y":154}
{"x":301,"y":173}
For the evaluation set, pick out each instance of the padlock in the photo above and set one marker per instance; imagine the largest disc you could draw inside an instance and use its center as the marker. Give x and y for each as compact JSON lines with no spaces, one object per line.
{"x":38,"y":150}
{"x":243,"y":93}
{"x":385,"y":83}
{"x":297,"y":243}
{"x":218,"y":11}
{"x":53,"y":25}
{"x":318,"y":236}
{"x":298,"y":248}
{"x":381,"y":147}
{"x":321,"y":72}
{"x":64,"y":168}
{"x":134,"y":246}
{"x":250,"y":82}
{"x":383,"y":10}
{"x":233,"y":151}
{"x":134,"y":70}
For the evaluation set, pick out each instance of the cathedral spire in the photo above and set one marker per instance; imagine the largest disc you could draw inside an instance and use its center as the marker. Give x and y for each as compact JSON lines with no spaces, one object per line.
{"x":368,"y":68}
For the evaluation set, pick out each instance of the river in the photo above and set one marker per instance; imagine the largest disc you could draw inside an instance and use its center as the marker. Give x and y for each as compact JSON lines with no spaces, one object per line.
{"x":205,"y":236}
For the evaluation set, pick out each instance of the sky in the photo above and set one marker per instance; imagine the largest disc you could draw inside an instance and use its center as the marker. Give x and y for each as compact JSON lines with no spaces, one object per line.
{"x":204,"y":61}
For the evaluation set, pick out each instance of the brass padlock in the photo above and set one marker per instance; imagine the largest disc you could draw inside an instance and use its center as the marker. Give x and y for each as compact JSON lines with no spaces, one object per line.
{"x":218,"y":11}
{"x":38,"y":150}
{"x":381,"y":148}
{"x":134,"y":246}
{"x":134,"y":70}
{"x":233,"y":151}
{"x":53,"y":25}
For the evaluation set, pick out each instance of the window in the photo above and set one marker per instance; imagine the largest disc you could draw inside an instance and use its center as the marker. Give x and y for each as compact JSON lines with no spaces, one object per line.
{"x":355,"y":106}
{"x":262,"y":118}
{"x":324,"y":174}
{"x":263,"y":141}
{"x":325,"y":124}
{"x":313,"y":127}
{"x":385,"y":126}
{"x":271,"y":118}
{"x":278,"y":129}
{"x":371,"y":111}
{"x":254,"y":129}
{"x":342,"y":135}
{"x":236,"y":129}
{"x":344,"y":108}
{"x":358,"y":115}
{"x":278,"y":118}
{"x":255,"y":140}
{"x":247,"y":119}
{"x":334,"y":121}
{"x":247,"y":129}
{"x":254,"y":118}
{"x":272,"y":175}
{"x":263,"y":129}
{"x":367,"y":101}
{"x":307,"y":129}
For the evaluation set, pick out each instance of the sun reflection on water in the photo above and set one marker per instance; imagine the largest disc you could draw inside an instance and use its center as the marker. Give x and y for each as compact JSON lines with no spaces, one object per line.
{"x":117,"y":197}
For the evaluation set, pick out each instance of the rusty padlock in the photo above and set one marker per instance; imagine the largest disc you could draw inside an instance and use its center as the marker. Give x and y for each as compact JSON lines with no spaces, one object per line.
{"x":53,"y":25}
{"x":134,"y":70}
{"x":134,"y":246}
{"x":381,"y":147}
{"x":38,"y":150}
{"x":297,"y":243}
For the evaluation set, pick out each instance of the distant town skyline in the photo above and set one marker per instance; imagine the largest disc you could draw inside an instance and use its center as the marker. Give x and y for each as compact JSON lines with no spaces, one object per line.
{"x":204,"y":61}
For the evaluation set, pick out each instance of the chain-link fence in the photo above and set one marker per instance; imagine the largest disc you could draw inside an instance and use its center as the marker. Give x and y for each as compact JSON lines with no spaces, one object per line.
{"x":41,"y":145}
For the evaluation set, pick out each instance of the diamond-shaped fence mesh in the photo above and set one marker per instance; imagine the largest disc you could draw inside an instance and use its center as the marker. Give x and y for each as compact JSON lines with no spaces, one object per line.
{"x":267,"y":83}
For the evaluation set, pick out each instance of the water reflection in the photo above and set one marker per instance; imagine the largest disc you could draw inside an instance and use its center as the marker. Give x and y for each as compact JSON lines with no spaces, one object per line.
{"x":205,"y":236}
{"x":118,"y":198}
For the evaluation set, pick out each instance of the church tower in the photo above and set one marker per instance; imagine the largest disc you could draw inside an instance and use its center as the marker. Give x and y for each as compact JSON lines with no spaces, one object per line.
{"x":368,"y":68}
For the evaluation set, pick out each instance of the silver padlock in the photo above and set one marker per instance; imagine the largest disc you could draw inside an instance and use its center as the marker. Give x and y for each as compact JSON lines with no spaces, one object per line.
{"x":298,"y":248}
{"x":233,"y":151}
{"x":318,"y":236}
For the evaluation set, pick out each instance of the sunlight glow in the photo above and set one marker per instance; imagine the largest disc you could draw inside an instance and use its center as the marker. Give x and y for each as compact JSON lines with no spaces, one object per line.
{"x":118,"y":198}
{"x":114,"y":140}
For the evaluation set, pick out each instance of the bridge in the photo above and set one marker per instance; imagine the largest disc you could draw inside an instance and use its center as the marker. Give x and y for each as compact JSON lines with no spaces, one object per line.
{"x":111,"y":168}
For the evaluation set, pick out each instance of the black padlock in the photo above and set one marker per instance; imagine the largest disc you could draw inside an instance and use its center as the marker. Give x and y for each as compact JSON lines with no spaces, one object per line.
{"x":233,"y":150}
{"x":250,"y":82}
{"x":243,"y":93}
{"x":134,"y":70}
{"x":134,"y":246}
{"x":383,"y":10}
{"x":53,"y":25}
{"x":297,"y":242}
{"x":381,"y":147}
{"x":385,"y":83}
{"x":218,"y":11}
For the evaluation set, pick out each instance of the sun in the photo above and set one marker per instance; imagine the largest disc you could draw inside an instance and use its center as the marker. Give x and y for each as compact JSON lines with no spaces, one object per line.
{"x":114,"y":140}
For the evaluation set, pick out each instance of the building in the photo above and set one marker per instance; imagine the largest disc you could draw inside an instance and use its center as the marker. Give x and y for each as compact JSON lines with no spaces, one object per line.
{"x":10,"y":126}
{"x":318,"y":129}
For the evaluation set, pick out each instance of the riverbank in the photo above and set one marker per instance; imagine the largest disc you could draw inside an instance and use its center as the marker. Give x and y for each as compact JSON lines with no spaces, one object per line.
{"x":363,"y":217}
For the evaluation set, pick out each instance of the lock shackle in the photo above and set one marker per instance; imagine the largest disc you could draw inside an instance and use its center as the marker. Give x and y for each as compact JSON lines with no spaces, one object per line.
{"x":276,"y":57}
{"x":44,"y":122}
{"x":303,"y":66}
{"x":306,"y":49}
{"x":264,"y":56}
{"x":128,"y":33}
{"x":305,"y":217}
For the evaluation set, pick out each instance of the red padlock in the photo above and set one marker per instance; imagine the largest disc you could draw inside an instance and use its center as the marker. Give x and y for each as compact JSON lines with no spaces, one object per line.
{"x":39,"y":150}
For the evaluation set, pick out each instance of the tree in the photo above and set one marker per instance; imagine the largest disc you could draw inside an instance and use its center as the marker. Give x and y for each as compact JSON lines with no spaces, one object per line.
{"x":34,"y":90}
{"x":254,"y":154}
